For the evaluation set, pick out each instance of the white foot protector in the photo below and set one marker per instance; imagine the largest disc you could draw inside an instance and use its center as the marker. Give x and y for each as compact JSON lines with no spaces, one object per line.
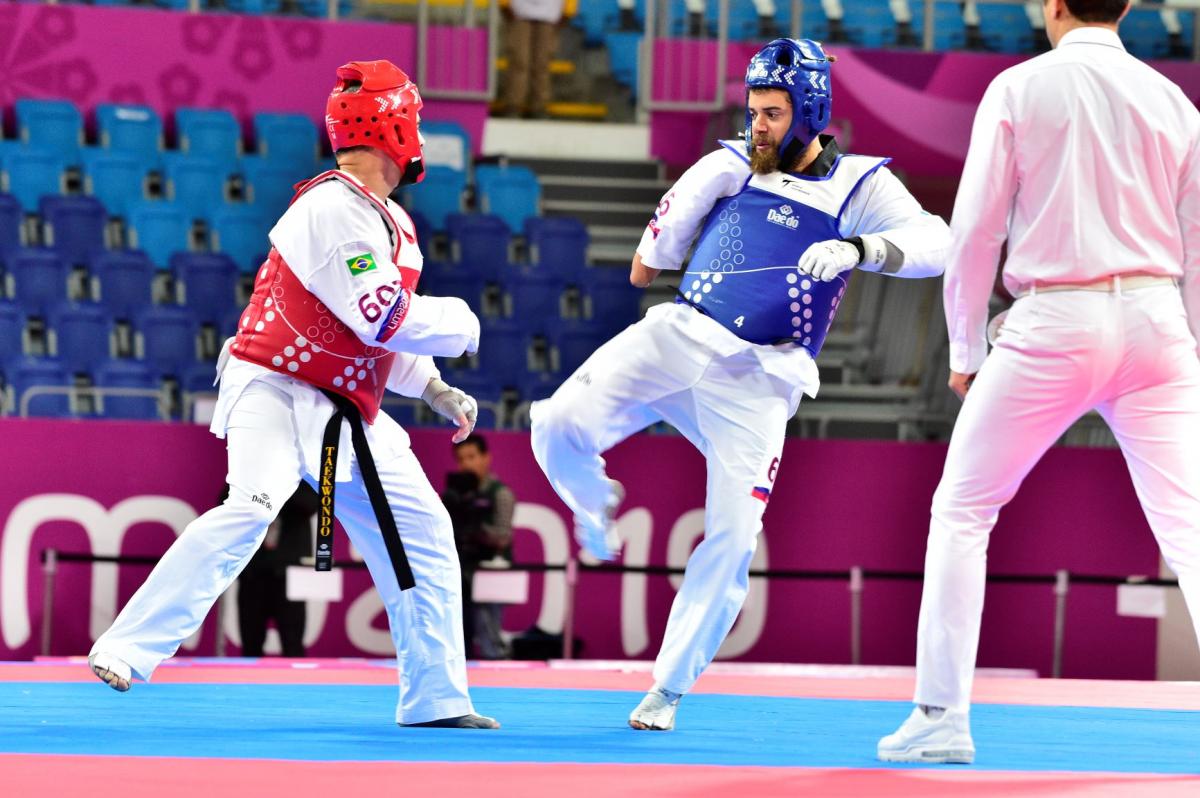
{"x":946,"y":740}
{"x":657,"y":711}
{"x":111,"y":670}
{"x":603,"y":543}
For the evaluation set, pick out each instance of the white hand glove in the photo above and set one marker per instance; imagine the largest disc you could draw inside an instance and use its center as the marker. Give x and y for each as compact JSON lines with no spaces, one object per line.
{"x":825,"y":260}
{"x":452,"y":404}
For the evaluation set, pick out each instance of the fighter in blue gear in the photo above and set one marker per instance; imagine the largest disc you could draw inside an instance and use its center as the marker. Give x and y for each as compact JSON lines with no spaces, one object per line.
{"x":783,"y":219}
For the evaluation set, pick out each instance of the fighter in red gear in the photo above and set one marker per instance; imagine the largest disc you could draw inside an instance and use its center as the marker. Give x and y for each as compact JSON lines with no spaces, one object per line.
{"x":333,"y":321}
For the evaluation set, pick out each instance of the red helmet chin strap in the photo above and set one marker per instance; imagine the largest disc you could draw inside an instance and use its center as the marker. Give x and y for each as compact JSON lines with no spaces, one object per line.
{"x":375,"y":104}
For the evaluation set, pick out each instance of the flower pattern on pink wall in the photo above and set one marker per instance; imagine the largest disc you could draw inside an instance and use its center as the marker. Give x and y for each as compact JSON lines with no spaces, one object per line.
{"x":164,"y":59}
{"x":38,"y":58}
{"x":202,"y":33}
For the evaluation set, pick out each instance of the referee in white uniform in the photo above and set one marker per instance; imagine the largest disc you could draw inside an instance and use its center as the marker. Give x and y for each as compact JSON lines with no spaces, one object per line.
{"x":1088,"y":162}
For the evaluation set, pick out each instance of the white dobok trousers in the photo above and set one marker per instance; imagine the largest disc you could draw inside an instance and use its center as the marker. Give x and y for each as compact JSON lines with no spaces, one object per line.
{"x":266,"y":464}
{"x":729,"y":409}
{"x":1130,"y":356}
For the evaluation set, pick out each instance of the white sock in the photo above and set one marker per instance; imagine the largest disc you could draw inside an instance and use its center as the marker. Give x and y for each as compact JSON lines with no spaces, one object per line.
{"x":933,"y":713}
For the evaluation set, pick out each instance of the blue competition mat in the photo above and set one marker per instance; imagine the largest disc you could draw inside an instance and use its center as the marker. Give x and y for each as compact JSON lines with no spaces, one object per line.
{"x":355,"y":723}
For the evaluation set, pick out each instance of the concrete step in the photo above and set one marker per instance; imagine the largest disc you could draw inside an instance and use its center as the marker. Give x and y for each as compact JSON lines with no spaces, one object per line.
{"x":597,"y":148}
{"x":603,"y":254}
{"x":615,"y":214}
{"x":604,"y":189}
{"x":643,"y":170}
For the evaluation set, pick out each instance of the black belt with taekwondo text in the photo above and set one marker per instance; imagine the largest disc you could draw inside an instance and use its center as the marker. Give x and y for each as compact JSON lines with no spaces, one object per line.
{"x":379,"y":503}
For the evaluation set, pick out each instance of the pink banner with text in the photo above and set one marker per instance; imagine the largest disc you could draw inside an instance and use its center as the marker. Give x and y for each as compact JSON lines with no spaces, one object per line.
{"x":110,"y":488}
{"x":245,"y":64}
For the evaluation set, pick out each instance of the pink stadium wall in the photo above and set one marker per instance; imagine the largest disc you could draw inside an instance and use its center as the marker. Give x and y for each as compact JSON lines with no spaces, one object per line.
{"x":914,"y":107}
{"x":244,"y":64}
{"x":115,"y":487}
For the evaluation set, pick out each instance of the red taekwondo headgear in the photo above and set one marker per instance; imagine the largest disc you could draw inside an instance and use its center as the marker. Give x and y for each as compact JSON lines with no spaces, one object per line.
{"x":375,"y":104}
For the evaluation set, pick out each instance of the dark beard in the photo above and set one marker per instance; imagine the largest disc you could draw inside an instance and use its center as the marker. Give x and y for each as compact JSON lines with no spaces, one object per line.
{"x":764,"y":162}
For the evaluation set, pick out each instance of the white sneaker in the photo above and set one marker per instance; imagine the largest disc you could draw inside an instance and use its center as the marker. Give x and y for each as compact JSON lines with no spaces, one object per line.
{"x":112,"y":671}
{"x":922,"y":739}
{"x":603,"y":543}
{"x":657,"y":711}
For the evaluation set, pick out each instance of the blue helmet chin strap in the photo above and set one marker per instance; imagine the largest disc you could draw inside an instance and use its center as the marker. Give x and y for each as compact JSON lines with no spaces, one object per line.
{"x":801,"y":68}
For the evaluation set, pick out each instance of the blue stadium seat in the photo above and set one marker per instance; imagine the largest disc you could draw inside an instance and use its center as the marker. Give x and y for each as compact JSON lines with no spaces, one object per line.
{"x":133,"y":129}
{"x":510,"y":192}
{"x":623,"y":57}
{"x":125,"y":279}
{"x":117,"y":179}
{"x":437,"y":196}
{"x":1005,"y":28}
{"x":118,"y":374}
{"x":596,"y":17}
{"x":241,"y":233}
{"x":504,"y":351}
{"x":55,"y":125}
{"x":403,"y":410}
{"x":320,"y":8}
{"x":167,"y":338}
{"x":1144,"y":34}
{"x":211,"y":133}
{"x":209,"y":284}
{"x":557,"y":245}
{"x":30,"y":173}
{"x":614,"y":303}
{"x":423,"y":229}
{"x":198,"y":377}
{"x":479,"y":243}
{"x":446,"y":144}
{"x":288,"y":139}
{"x":11,"y":220}
{"x":536,"y":385}
{"x":535,"y":296}
{"x":443,"y":280}
{"x":270,"y":185}
{"x":159,"y":229}
{"x":575,"y":341}
{"x":480,"y":385}
{"x":228,"y":324}
{"x":25,"y":373}
{"x":40,"y":279}
{"x":195,"y":184}
{"x":12,"y":327}
{"x":83,"y":334}
{"x":254,"y":6}
{"x":73,"y":226}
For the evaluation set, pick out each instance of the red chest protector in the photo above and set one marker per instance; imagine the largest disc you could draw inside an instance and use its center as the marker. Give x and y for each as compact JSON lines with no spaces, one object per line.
{"x":285,"y":328}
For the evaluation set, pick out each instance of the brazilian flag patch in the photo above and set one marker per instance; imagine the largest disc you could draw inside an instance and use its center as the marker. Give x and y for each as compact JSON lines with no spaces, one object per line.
{"x":361,"y":264}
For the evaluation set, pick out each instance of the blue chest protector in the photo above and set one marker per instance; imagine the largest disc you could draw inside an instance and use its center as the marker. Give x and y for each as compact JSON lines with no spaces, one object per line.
{"x":743,"y":271}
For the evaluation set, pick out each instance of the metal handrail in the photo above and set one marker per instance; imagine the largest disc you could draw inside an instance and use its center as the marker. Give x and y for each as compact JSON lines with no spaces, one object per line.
{"x":855,"y":577}
{"x":422,"y":58}
{"x":31,"y":393}
{"x":646,"y":101}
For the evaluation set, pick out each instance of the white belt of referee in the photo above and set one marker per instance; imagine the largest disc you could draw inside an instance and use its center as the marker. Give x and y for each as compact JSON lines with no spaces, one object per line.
{"x":1113,"y":284}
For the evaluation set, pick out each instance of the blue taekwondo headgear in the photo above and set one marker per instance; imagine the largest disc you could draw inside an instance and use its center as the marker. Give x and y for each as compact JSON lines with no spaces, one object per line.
{"x":801,"y":68}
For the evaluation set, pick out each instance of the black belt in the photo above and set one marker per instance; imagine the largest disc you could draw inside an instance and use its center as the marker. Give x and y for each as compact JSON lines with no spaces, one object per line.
{"x":379,"y":503}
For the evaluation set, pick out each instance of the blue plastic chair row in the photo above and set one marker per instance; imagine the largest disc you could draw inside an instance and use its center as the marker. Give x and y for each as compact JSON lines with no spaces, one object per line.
{"x":57,"y":125}
{"x":510,"y":192}
{"x":207,"y":282}
{"x":26,"y":372}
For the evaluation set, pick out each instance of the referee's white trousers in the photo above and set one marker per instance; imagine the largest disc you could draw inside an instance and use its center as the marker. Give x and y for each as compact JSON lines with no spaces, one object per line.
{"x":729,"y":410}
{"x":266,"y":465}
{"x":1130,"y":356}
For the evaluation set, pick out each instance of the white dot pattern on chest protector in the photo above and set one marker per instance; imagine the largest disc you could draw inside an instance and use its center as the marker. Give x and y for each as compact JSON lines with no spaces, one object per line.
{"x":780,"y":294}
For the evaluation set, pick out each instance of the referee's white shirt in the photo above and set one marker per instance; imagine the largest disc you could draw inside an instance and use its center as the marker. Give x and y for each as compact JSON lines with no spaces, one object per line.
{"x":1088,"y":162}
